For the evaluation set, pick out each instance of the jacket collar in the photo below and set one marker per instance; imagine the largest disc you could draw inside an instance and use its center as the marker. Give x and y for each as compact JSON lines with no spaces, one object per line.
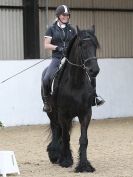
{"x":56,"y":25}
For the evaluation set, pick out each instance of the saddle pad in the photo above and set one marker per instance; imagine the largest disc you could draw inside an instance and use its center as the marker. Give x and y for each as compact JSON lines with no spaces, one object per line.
{"x":53,"y":80}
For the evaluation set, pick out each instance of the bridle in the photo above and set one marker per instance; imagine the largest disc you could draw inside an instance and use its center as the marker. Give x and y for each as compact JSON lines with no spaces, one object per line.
{"x":83,"y":60}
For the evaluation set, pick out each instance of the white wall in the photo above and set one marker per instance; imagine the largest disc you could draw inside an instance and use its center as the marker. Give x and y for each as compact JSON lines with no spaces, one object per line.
{"x":20,"y":98}
{"x":115,"y":84}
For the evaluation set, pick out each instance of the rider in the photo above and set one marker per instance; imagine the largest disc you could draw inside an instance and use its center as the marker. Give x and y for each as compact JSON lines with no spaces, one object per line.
{"x":57,"y":39}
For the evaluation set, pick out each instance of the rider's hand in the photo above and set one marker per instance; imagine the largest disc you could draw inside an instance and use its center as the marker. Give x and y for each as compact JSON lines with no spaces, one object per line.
{"x":59,"y":49}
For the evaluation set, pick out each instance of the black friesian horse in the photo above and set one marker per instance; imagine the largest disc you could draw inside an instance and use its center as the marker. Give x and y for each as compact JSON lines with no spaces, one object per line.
{"x":74,"y":98}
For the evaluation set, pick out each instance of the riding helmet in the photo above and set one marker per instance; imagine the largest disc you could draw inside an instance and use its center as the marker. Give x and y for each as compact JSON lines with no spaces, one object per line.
{"x":62,"y":9}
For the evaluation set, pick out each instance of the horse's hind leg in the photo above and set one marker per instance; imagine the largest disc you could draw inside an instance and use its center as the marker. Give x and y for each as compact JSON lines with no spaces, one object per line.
{"x":84,"y":165}
{"x":53,"y":148}
{"x":66,"y":159}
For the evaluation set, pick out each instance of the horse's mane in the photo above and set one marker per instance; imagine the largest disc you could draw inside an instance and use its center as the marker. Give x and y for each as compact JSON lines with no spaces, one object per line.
{"x":70,"y":45}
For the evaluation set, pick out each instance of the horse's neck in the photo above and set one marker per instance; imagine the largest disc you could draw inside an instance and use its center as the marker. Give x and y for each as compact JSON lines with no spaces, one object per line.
{"x":77,"y":77}
{"x":76,"y":73}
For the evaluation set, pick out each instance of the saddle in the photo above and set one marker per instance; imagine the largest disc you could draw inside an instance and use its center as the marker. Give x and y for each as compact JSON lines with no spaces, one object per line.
{"x":57,"y":76}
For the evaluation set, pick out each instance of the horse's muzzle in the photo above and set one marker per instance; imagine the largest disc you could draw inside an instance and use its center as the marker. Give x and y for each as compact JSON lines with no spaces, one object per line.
{"x":93,"y":72}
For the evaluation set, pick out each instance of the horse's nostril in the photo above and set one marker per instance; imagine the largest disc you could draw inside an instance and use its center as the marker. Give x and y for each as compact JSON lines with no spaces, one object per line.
{"x":91,"y":71}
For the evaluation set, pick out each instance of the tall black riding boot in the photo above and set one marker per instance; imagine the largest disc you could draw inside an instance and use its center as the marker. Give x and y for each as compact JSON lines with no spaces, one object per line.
{"x":98,"y":100}
{"x":47,"y":107}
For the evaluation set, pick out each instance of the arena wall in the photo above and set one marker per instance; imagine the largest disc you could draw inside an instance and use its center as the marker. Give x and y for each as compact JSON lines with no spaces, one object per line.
{"x":20,"y":98}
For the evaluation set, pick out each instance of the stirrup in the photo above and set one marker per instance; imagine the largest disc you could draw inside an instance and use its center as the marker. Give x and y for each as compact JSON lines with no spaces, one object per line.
{"x":99,"y":101}
{"x":47,"y":107}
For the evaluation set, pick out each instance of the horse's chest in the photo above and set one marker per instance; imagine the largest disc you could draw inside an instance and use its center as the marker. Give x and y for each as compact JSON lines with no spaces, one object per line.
{"x":74,"y":99}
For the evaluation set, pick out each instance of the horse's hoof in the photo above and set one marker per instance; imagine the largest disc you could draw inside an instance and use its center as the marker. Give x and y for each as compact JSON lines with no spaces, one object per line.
{"x":53,"y":157}
{"x":66,"y":163}
{"x":84,"y":167}
{"x":53,"y":154}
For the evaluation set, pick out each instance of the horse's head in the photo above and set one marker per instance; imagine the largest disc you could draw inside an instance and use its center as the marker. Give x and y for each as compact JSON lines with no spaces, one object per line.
{"x":88,"y":45}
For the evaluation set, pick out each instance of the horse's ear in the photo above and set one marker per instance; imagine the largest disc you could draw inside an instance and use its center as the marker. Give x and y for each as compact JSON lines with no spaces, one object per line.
{"x":93,"y":29}
{"x":78,"y":30}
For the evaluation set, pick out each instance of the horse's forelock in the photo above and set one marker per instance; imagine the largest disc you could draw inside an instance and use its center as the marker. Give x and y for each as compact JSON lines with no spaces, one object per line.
{"x":82,"y":34}
{"x":88,"y":33}
{"x":95,"y":40}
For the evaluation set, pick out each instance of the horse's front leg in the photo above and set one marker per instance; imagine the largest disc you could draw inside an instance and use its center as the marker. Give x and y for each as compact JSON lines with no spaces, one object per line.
{"x":66,"y":159}
{"x":54,"y":146}
{"x":84,"y":165}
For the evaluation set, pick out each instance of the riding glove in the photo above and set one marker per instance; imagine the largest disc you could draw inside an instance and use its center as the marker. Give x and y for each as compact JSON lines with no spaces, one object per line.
{"x":59,"y":49}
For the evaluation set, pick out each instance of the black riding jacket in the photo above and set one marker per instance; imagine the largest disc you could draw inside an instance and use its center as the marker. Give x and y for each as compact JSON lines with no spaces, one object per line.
{"x":60,"y":37}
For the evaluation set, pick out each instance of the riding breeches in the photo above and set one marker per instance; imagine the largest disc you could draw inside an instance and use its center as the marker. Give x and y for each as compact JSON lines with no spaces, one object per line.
{"x":49,"y":74}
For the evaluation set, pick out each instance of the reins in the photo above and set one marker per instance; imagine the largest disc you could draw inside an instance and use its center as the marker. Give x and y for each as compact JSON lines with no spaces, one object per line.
{"x":83,"y":65}
{"x":73,"y":64}
{"x":23,"y":70}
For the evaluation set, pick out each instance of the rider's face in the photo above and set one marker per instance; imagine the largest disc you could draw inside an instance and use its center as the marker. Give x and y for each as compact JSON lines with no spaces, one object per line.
{"x":64,"y":18}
